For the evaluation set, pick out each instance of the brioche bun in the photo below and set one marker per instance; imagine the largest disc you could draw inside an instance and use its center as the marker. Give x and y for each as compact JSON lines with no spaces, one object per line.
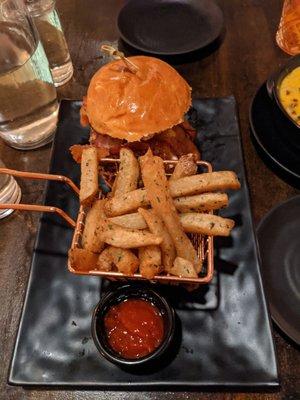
{"x":133,"y":106}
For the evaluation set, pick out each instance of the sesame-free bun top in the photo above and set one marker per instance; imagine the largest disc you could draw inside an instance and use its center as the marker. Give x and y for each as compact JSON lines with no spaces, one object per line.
{"x":132,"y":106}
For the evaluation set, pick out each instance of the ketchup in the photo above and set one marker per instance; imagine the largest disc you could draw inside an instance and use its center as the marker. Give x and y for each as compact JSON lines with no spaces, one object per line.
{"x":134,"y":328}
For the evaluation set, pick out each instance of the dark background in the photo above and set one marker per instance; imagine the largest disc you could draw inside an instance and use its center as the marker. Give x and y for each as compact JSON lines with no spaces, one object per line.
{"x":246,"y":58}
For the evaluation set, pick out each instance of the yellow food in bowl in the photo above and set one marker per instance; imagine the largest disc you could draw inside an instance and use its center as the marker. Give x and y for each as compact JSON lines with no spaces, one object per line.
{"x":289,"y":94}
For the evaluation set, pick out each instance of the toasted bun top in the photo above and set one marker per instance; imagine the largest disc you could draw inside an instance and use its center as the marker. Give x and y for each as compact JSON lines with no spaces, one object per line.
{"x":132,"y":106}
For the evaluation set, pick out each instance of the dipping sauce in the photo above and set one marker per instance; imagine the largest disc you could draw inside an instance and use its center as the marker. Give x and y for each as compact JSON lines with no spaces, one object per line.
{"x":289,"y":94}
{"x":134,"y":328}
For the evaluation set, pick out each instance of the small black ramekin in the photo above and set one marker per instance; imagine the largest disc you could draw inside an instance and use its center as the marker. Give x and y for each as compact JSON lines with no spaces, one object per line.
{"x":117,"y":296}
{"x":289,"y":128}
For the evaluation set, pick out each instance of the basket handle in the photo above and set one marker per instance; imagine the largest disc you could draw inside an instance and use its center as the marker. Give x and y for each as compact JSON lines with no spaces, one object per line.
{"x":39,"y":176}
{"x":40,"y":208}
{"x":33,"y":207}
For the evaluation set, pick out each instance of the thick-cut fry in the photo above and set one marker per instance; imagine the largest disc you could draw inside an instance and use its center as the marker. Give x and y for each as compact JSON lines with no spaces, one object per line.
{"x":122,"y":260}
{"x":156,"y":184}
{"x":105,"y":261}
{"x":77,"y":149}
{"x":157,"y":227}
{"x":95,"y":218}
{"x":125,"y":261}
{"x":89,"y":176}
{"x":183,"y":268}
{"x":201,"y":202}
{"x":127,"y":238}
{"x":126,"y":203}
{"x":186,"y":166}
{"x":206,"y":224}
{"x":128,"y":175}
{"x":210,"y":181}
{"x":150,"y":261}
{"x":82,"y":259}
{"x":132,"y":221}
{"x":207,"y":182}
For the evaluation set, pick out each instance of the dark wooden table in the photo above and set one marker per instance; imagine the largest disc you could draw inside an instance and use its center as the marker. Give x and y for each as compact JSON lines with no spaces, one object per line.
{"x":246,"y":58}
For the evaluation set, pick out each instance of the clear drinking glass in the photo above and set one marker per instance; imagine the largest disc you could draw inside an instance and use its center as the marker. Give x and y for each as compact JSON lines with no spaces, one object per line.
{"x":28,"y":101}
{"x":10,"y":191}
{"x":48,"y":24}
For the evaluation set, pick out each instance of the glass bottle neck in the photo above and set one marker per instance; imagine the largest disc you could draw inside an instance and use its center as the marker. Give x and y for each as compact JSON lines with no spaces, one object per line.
{"x":39,"y":7}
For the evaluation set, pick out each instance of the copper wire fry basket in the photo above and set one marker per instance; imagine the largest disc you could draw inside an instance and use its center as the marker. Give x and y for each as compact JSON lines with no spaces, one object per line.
{"x":203,"y":244}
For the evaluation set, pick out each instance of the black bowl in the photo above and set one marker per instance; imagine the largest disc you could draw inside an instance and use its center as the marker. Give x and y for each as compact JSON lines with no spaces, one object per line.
{"x":288,"y":126}
{"x":117,"y":296}
{"x":170,"y":27}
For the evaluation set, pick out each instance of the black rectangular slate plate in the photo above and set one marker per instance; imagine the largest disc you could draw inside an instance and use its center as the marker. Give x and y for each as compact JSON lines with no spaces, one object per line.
{"x":225,"y":335}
